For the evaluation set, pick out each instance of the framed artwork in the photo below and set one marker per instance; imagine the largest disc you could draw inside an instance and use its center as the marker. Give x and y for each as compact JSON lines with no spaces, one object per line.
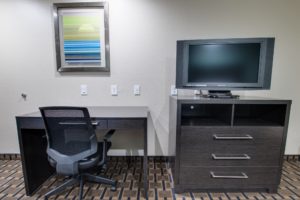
{"x":81,"y":37}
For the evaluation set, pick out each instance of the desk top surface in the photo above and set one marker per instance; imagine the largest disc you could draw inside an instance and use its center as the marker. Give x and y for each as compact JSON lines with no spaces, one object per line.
{"x":109,"y":112}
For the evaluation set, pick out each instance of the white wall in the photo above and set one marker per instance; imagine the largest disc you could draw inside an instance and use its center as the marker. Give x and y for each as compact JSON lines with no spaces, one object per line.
{"x":143,"y":36}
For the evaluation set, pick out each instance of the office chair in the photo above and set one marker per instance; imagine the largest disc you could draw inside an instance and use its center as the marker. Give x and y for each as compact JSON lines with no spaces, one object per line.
{"x":73,"y":148}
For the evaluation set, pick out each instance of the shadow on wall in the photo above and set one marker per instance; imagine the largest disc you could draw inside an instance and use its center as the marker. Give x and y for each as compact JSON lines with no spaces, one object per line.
{"x":125,"y":142}
{"x":157,"y":146}
{"x":161,"y":124}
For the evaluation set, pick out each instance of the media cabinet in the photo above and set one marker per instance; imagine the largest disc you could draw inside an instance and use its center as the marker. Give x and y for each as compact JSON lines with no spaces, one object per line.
{"x":227,"y":144}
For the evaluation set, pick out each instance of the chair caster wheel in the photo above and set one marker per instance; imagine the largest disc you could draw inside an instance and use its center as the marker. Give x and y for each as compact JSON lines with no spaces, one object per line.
{"x":113,"y":188}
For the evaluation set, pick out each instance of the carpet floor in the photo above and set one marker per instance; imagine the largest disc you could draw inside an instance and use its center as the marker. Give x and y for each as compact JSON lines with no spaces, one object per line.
{"x":130,"y":185}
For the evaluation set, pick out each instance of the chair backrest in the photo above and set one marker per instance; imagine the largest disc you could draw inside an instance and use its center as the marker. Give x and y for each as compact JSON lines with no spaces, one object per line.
{"x":69,"y":130}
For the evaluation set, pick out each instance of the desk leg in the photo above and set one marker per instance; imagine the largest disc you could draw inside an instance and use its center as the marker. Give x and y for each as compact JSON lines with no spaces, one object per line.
{"x":145,"y":166}
{"x":36,"y":169}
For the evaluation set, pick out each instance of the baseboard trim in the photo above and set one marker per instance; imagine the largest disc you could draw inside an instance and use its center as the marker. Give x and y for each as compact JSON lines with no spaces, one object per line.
{"x":12,"y":156}
{"x":295,"y":157}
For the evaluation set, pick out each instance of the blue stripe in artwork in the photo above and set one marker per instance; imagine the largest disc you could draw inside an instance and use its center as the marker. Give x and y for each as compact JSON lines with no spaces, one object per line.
{"x":85,"y":51}
{"x":81,"y":45}
{"x":82,"y":56}
{"x":81,"y":41}
{"x":81,"y":48}
{"x":86,"y":54}
{"x":82,"y":61}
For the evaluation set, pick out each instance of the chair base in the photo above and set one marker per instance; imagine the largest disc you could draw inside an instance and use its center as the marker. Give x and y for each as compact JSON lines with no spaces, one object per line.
{"x":80,"y":179}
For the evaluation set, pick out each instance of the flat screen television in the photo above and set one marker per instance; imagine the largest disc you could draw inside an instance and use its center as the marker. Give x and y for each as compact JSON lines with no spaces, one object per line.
{"x":225,"y":64}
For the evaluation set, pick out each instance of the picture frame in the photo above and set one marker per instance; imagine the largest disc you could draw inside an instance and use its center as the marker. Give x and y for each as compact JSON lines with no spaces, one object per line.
{"x":82,"y":37}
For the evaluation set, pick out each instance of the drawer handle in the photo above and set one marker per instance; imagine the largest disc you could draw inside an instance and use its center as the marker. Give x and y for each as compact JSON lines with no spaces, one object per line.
{"x":240,"y":157}
{"x":72,"y":123}
{"x":242,"y":176}
{"x":246,"y":137}
{"x":94,"y":123}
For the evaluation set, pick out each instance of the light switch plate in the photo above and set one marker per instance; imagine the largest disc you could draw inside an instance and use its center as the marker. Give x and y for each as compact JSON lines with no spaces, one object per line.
{"x":114,"y":90}
{"x":174,"y":91}
{"x":196,"y":92}
{"x":83,"y":90}
{"x":137,"y":90}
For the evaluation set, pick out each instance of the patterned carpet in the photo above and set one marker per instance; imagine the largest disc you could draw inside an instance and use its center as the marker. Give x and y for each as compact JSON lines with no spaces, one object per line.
{"x":130,"y":186}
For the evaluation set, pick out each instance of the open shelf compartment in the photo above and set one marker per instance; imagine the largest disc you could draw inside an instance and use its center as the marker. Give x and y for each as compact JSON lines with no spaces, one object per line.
{"x":259,"y":115}
{"x":206,"y":114}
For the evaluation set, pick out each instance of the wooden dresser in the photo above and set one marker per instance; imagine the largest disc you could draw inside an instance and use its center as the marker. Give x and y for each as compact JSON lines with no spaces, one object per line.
{"x":227,"y":144}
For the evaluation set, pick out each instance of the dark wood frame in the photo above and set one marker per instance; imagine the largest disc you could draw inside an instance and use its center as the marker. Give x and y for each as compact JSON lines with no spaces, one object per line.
{"x":60,"y":68}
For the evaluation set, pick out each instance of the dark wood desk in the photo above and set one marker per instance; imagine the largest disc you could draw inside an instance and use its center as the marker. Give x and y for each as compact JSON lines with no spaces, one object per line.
{"x":33,"y":143}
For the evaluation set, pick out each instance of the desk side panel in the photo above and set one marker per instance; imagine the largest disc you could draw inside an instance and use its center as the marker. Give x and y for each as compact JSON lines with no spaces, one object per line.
{"x":33,"y":145}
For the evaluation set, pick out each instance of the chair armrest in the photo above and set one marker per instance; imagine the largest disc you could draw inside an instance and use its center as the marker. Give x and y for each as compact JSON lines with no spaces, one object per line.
{"x":108,"y":135}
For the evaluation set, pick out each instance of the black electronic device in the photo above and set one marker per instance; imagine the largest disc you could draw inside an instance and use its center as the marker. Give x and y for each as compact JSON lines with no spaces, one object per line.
{"x":224,"y":64}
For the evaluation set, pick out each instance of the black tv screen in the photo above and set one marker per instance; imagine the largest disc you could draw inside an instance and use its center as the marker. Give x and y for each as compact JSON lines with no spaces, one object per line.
{"x":225,"y":63}
{"x":231,"y":63}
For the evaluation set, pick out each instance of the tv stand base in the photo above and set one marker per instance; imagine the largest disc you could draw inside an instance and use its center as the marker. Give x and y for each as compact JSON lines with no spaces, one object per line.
{"x":220,"y":94}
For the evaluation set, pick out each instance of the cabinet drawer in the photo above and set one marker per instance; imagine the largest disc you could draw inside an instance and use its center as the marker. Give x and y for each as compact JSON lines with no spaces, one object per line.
{"x":228,"y":177}
{"x":230,"y":155}
{"x":230,"y":146}
{"x":199,"y":136}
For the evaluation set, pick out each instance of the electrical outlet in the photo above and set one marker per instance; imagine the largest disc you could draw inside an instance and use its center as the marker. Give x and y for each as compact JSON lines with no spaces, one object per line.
{"x":83,"y":90}
{"x":137,"y":90}
{"x":114,"y":90}
{"x":174,"y":91}
{"x":196,"y":92}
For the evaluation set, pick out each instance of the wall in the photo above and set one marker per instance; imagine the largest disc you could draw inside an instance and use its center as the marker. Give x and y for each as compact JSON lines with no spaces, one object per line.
{"x":143,"y":36}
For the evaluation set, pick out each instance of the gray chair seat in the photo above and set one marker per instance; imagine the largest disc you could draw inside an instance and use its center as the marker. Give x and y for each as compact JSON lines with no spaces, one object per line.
{"x":82,"y":164}
{"x":86,"y":163}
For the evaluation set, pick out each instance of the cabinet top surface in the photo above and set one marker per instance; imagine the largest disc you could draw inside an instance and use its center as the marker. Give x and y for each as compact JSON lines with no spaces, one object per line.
{"x":225,"y":100}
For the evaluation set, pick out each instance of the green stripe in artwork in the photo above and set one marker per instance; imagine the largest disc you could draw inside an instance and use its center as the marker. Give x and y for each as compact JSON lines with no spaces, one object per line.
{"x":84,"y":27}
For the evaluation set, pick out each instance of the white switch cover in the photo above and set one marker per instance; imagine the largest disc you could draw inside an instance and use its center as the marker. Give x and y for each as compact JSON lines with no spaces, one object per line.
{"x":83,"y":90}
{"x":196,"y":92}
{"x":137,"y":90}
{"x":174,"y":91}
{"x":114,"y":90}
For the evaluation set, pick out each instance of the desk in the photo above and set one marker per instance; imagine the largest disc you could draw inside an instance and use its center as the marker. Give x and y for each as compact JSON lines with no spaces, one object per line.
{"x":33,"y":143}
